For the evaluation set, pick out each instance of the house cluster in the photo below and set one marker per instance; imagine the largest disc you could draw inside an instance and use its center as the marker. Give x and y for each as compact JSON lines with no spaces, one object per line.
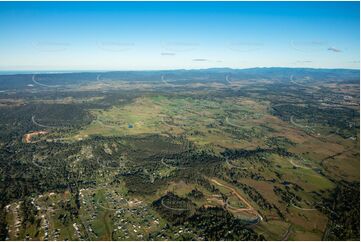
{"x":14,"y":208}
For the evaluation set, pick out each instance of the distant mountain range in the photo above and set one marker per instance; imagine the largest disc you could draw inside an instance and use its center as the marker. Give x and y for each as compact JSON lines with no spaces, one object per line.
{"x":277,"y":74}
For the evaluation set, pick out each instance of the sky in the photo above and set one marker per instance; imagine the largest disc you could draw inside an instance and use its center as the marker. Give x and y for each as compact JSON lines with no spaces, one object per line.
{"x":178,"y":35}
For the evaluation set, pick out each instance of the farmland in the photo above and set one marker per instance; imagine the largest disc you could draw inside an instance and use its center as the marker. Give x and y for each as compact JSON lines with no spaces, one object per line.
{"x":149,"y":158}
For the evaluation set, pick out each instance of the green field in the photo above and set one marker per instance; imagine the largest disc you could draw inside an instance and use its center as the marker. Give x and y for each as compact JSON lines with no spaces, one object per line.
{"x":162,"y":163}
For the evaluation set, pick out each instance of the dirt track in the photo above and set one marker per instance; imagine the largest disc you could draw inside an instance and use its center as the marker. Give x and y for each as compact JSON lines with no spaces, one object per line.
{"x":248,"y":207}
{"x":27,"y":137}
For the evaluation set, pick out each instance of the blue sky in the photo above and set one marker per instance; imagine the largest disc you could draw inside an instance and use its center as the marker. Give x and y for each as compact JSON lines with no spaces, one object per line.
{"x":161,"y":35}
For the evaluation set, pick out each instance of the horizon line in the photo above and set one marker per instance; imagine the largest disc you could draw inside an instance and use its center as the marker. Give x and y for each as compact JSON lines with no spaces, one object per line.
{"x":54,"y":71}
